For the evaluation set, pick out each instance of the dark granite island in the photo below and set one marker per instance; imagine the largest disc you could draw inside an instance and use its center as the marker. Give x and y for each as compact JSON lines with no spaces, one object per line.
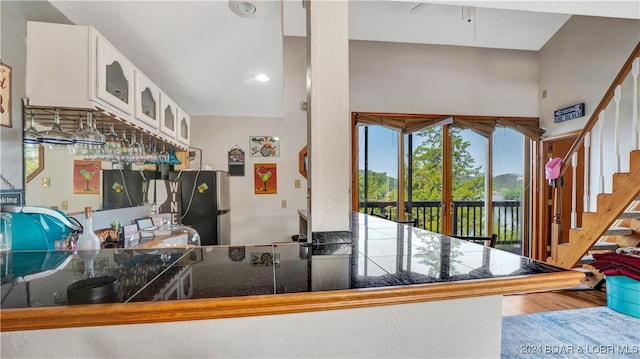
{"x":395,"y":291}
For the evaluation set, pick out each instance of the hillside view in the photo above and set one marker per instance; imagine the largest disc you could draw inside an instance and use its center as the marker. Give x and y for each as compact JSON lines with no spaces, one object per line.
{"x":382,"y":187}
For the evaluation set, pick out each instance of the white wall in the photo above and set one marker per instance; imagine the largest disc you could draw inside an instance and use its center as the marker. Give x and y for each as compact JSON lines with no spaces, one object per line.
{"x":579,"y":63}
{"x":384,"y":77}
{"x":13,"y":53}
{"x":257,"y":219}
{"x":440,"y":329}
{"x":432,"y":79}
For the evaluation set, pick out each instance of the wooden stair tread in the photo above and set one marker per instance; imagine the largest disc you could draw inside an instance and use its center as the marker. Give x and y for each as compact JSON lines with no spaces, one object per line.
{"x":618,"y":231}
{"x":605,"y":246}
{"x":588,"y":259}
{"x":630,"y":215}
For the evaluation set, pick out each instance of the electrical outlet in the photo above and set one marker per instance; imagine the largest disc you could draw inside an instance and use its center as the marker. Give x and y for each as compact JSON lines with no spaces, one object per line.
{"x":46,"y":182}
{"x":64,"y":205}
{"x":284,"y":203}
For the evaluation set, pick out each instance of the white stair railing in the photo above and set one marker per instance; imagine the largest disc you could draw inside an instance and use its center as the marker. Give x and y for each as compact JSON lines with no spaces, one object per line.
{"x":600,"y":151}
{"x":587,"y":171}
{"x":616,"y":128}
{"x":620,"y":102}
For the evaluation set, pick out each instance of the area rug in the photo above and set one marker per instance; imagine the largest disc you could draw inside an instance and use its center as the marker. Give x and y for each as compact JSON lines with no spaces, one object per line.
{"x":578,"y":333}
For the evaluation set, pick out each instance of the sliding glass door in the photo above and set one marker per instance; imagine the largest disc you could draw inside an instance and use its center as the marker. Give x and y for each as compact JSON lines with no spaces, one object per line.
{"x":468,"y":183}
{"x":378,"y":170}
{"x":456,"y":176}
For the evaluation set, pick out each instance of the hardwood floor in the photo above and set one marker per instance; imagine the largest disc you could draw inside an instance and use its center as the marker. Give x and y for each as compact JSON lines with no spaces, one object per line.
{"x":550,"y":301}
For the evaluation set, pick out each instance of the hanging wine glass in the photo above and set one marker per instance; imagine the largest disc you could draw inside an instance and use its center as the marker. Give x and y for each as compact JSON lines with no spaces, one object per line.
{"x":137,"y":149}
{"x":80,"y":141}
{"x":111,"y":145}
{"x":31,"y":135}
{"x":56,"y":135}
{"x":125,"y":149}
{"x":151,"y":154}
{"x":94,"y":138}
{"x":163,"y":156}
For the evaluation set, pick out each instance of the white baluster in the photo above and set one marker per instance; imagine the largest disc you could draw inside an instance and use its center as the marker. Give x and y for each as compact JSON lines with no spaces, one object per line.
{"x":600,"y":150}
{"x":635,"y":69}
{"x":616,"y":135}
{"x":574,"y":194}
{"x":587,"y":169}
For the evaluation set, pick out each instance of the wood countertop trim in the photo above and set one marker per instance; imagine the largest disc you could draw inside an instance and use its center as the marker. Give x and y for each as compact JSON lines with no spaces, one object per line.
{"x":233,"y":307}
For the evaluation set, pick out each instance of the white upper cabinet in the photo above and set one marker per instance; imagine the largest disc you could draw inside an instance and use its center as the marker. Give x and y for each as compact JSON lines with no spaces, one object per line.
{"x":115,"y":76}
{"x":168,"y":115}
{"x":75,"y":66}
{"x":60,"y":65}
{"x":147,"y":101}
{"x":184,"y":127}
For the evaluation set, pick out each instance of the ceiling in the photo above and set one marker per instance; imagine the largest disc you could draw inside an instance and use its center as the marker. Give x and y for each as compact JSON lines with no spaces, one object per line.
{"x":205,"y":57}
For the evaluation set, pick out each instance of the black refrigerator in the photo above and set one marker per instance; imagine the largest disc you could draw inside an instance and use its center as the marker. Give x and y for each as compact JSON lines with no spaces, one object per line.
{"x":125,"y":188}
{"x":206,"y":204}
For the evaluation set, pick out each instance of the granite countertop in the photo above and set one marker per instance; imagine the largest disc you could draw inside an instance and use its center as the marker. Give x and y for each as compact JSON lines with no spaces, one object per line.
{"x":381,"y":254}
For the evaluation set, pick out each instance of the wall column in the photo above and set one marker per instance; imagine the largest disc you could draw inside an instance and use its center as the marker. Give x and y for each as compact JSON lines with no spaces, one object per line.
{"x":328,"y":119}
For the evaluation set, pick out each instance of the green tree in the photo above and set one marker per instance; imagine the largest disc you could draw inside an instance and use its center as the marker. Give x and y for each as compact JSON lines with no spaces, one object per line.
{"x":380,"y":187}
{"x":468,"y":179}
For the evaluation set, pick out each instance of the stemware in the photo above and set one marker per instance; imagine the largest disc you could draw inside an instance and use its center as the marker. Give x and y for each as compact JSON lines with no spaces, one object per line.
{"x":151,"y":155}
{"x":136,"y":149}
{"x":125,"y":149}
{"x":95,"y":140}
{"x":80,"y":141}
{"x":56,"y":135}
{"x":163,"y":156}
{"x":111,"y":145}
{"x":31,"y":135}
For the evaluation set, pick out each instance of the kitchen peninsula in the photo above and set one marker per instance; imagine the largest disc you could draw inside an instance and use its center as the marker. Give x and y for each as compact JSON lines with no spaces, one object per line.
{"x":393,"y":279}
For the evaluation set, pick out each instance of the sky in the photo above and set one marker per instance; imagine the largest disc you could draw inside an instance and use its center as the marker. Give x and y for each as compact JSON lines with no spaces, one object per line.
{"x":507,"y":150}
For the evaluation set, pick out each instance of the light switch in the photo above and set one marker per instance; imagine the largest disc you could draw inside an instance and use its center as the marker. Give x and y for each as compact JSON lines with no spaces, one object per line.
{"x":46,"y":182}
{"x":297,"y":183}
{"x":284,"y":203}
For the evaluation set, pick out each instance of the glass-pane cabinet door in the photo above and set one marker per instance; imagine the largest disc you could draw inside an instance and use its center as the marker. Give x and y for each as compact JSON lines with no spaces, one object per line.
{"x":184,"y":127}
{"x":168,"y":115}
{"x":115,"y":76}
{"x":147,"y":101}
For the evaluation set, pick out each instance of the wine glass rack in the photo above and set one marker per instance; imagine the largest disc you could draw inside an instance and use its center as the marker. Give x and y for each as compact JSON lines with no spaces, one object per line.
{"x":70,"y":119}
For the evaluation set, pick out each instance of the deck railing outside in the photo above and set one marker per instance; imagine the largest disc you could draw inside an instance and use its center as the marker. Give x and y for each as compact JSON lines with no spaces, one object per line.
{"x":468,"y":217}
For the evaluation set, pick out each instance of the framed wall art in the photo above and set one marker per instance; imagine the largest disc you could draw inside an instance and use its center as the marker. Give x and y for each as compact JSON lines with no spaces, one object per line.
{"x":86,"y":177}
{"x":5,"y":95}
{"x":265,"y":178}
{"x":236,"y":161}
{"x":264,"y":146}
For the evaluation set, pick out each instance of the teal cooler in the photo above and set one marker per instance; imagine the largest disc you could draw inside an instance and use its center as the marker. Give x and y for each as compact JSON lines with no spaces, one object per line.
{"x":623,"y":295}
{"x":38,"y":228}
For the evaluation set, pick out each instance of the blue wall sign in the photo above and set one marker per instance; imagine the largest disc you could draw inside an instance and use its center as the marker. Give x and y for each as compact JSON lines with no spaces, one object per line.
{"x":568,"y":113}
{"x":12,"y":197}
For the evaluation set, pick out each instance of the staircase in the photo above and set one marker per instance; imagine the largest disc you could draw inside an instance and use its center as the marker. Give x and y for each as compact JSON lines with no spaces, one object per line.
{"x":616,"y":213}
{"x":610,"y":208}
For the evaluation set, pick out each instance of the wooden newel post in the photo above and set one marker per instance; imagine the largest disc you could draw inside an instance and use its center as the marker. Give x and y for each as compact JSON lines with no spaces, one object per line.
{"x":556,"y":224}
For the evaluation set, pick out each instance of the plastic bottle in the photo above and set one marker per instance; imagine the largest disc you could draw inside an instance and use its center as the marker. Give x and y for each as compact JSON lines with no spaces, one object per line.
{"x":88,"y":243}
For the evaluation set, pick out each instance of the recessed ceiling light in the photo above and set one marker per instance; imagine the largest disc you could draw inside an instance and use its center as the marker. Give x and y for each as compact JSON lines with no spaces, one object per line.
{"x":261,"y":78}
{"x":242,"y":8}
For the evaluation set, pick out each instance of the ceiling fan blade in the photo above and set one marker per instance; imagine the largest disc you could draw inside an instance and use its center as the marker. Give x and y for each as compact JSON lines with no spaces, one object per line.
{"x":418,"y":8}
